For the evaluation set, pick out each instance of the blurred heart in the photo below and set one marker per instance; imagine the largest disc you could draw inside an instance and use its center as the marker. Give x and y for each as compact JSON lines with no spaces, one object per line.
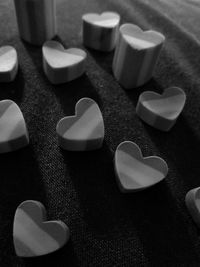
{"x":8,"y":63}
{"x":192,"y":201}
{"x":100,"y":32}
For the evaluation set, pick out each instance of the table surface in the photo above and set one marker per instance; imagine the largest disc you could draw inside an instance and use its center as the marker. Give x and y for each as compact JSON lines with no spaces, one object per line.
{"x":108,"y":228}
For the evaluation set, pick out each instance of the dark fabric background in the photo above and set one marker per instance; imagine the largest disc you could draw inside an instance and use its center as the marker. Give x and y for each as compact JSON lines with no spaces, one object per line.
{"x":108,"y":228}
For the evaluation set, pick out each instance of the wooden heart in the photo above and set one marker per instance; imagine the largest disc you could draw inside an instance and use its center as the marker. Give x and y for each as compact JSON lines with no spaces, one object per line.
{"x":62,"y":65}
{"x":33,"y":235}
{"x":136,"y":55}
{"x":133,"y":171}
{"x":8,"y":63}
{"x":161,"y":111}
{"x":85,"y":130}
{"x":192,"y":201}
{"x":13,"y":131}
{"x":100,"y":31}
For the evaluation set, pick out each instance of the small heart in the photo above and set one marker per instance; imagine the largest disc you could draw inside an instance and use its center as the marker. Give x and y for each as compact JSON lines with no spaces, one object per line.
{"x":100,"y":31}
{"x":134,"y":172}
{"x":8,"y":63}
{"x":161,"y":111}
{"x":33,"y":235}
{"x":192,"y":201}
{"x":85,"y":130}
{"x":136,"y":55}
{"x":62,"y":65}
{"x":13,"y":131}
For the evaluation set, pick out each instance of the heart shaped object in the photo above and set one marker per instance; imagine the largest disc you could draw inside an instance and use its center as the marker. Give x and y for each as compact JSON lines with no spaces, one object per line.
{"x":8,"y":63}
{"x":85,"y":130}
{"x":136,"y":55}
{"x":135,"y":173}
{"x":100,"y":31}
{"x":33,"y":235}
{"x":161,"y":111}
{"x":62,"y":65}
{"x":13,"y":131}
{"x":192,"y":201}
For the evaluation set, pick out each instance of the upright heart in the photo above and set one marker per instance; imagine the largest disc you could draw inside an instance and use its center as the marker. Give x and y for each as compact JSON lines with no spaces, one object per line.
{"x":13,"y":131}
{"x":62,"y":65}
{"x":8,"y":63}
{"x":135,"y":173}
{"x":33,"y":235}
{"x":161,"y":111}
{"x":136,"y":55}
{"x":100,"y":31}
{"x":85,"y":130}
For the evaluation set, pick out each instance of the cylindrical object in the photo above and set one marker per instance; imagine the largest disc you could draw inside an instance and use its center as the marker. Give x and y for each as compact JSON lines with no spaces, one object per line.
{"x":36,"y":20}
{"x":136,"y":55}
{"x":100,"y":32}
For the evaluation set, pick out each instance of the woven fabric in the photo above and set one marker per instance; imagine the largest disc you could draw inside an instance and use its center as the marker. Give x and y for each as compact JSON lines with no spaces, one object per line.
{"x":108,"y":228}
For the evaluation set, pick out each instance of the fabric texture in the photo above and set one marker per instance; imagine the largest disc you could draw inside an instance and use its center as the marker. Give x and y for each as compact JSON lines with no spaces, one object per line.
{"x":108,"y":228}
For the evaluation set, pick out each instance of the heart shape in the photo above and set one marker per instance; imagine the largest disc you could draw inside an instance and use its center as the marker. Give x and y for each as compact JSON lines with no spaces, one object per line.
{"x":161,"y":111}
{"x":85,"y":130}
{"x":192,"y":201}
{"x":33,"y":235}
{"x":100,"y":32}
{"x":136,"y":55}
{"x":8,"y":63}
{"x":13,"y":131}
{"x":134,"y":172}
{"x":140,"y":39}
{"x":62,"y":65}
{"x":106,"y":19}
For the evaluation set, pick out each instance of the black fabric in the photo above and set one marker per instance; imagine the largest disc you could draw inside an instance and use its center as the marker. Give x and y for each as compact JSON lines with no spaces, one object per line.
{"x":108,"y":228}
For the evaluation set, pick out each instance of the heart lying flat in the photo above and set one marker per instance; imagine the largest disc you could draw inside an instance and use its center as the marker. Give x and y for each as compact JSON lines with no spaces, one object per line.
{"x":85,"y":130}
{"x":8,"y":63}
{"x":161,"y":111}
{"x":13,"y":131}
{"x":192,"y":201}
{"x":136,"y":55}
{"x":62,"y":65}
{"x":135,"y":173}
{"x":100,"y":31}
{"x":33,"y":235}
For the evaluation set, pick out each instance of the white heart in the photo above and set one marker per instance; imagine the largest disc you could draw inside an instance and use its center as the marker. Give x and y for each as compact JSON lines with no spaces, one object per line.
{"x":85,"y":130}
{"x":161,"y":111}
{"x":8,"y":63}
{"x":13,"y":131}
{"x":133,"y":171}
{"x":33,"y":235}
{"x":62,"y":65}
